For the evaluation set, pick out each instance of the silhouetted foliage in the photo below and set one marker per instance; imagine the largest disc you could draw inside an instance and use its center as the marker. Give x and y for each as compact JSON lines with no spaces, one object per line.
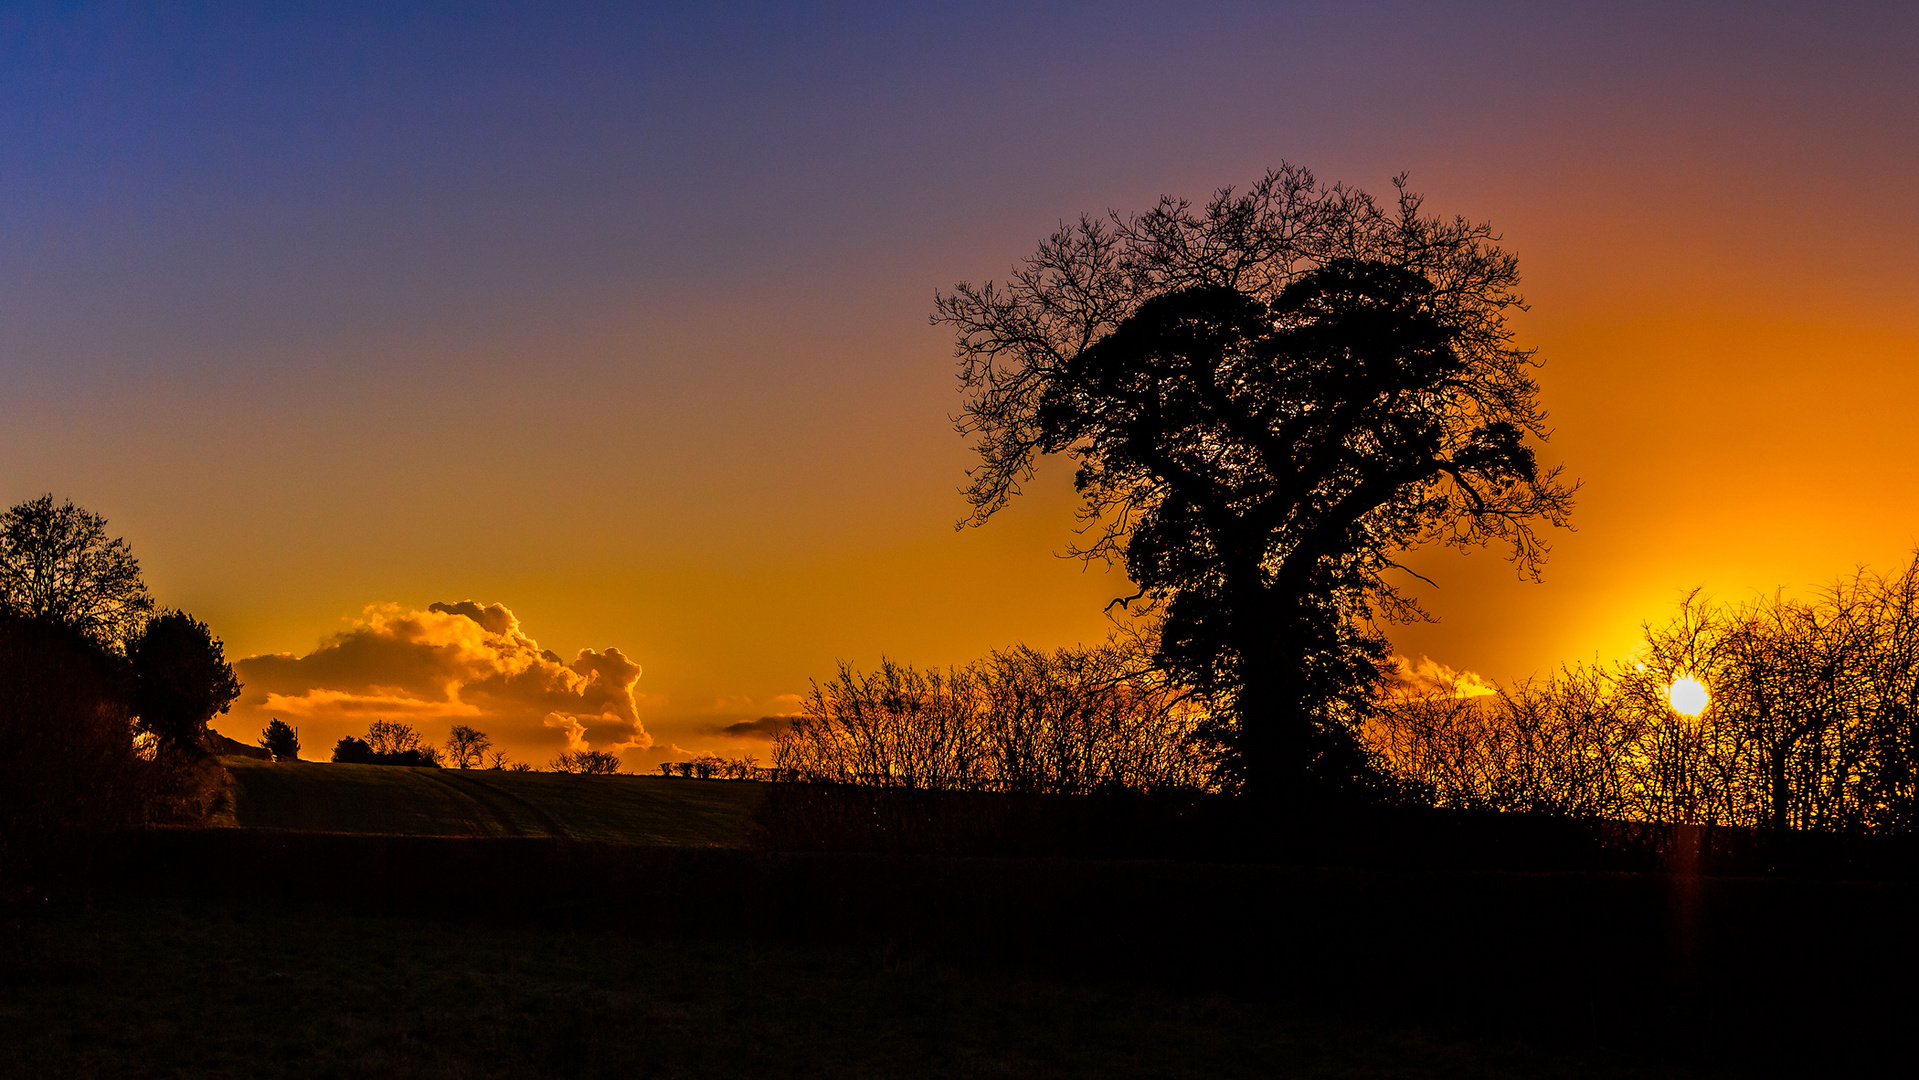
{"x":466,"y":747}
{"x":1023,"y":720}
{"x":589,"y":762}
{"x":1810,"y":723}
{"x":58,"y":565}
{"x":69,"y":769}
{"x":715,"y":767}
{"x":1269,"y":400}
{"x":497,"y":759}
{"x":387,"y":742}
{"x":181,"y":680}
{"x":281,"y":740}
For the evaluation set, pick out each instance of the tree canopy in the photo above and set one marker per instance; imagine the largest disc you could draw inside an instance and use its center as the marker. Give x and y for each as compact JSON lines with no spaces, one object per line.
{"x":58,"y":565}
{"x":1270,"y":399}
{"x":181,"y":679}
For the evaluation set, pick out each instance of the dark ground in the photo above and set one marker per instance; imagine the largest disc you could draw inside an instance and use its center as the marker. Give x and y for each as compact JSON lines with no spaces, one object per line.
{"x":134,"y":987}
{"x":391,"y":800}
{"x":459,"y":931}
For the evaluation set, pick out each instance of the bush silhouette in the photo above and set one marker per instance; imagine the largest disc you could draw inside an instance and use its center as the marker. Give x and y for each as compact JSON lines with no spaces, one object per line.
{"x":280,"y":740}
{"x":69,"y":768}
{"x":387,"y":743}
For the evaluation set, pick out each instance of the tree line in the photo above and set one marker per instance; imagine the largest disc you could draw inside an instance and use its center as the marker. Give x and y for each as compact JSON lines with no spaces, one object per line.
{"x":1811,"y":724}
{"x":1072,"y":721}
{"x":1812,"y":721}
{"x":392,"y":742}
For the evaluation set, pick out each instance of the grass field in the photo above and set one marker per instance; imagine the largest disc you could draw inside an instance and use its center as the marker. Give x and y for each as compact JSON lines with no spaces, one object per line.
{"x":146,"y":988}
{"x":316,"y":797}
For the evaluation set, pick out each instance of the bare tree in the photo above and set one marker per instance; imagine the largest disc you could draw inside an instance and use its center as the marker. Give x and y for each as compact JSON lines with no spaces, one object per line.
{"x":1022,"y":720}
{"x":58,"y":564}
{"x":1810,"y":722}
{"x":590,"y":762}
{"x":466,"y":747}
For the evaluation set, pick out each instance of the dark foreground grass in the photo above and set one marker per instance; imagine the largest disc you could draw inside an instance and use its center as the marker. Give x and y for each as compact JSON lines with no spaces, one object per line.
{"x":172,"y":988}
{"x":392,"y":800}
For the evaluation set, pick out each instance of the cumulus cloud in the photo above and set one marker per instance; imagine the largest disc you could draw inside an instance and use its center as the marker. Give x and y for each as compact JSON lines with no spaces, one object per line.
{"x":1429,"y":678}
{"x":463,"y":663}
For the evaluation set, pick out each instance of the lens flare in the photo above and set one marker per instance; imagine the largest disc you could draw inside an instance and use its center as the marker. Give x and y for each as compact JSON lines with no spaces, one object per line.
{"x":1687,"y":696}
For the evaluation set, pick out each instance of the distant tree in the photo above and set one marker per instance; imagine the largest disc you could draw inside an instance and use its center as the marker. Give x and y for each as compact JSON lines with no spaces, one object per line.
{"x":387,"y":742}
{"x":1270,"y":400}
{"x":280,"y":740}
{"x":181,"y":680}
{"x":466,"y":747}
{"x":57,"y":564}
{"x":392,"y":737}
{"x":592,"y":762}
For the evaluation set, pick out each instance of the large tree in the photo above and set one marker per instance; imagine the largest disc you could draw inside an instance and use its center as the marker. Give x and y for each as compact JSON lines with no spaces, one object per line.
{"x":1270,"y":399}
{"x":58,"y":565}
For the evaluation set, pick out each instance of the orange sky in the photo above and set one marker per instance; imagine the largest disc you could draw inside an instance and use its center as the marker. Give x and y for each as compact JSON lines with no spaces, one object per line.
{"x":638,"y":348}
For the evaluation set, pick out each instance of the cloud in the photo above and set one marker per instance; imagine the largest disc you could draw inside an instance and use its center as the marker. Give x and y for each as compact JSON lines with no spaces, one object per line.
{"x":766,"y":727}
{"x":462,"y":663}
{"x":1428,"y":678}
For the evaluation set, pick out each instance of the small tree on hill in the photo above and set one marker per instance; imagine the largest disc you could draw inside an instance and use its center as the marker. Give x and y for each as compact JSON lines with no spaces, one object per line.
{"x":466,"y":747}
{"x":281,"y":741}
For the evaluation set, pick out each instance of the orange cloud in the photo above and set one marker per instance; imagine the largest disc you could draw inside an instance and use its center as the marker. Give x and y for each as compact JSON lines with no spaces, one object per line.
{"x":1429,"y":678}
{"x":459,"y":663}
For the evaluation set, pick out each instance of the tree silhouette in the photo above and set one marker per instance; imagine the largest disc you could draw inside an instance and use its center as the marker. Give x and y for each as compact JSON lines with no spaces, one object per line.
{"x":466,"y":747}
{"x":57,"y":564}
{"x":387,"y":742}
{"x":590,"y":762}
{"x":281,"y":740}
{"x":181,"y":680}
{"x":1270,"y":400}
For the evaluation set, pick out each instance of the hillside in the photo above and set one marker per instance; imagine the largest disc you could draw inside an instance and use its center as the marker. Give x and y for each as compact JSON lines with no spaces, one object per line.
{"x":385,"y":799}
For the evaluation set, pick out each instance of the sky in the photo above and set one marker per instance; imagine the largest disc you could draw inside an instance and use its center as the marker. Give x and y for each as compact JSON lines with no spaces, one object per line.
{"x":605,"y":328}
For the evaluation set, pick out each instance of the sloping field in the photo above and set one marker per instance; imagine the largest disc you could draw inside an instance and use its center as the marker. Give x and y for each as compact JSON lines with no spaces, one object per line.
{"x":392,"y":800}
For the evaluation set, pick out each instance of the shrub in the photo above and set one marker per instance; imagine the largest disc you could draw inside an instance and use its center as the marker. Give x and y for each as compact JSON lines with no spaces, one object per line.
{"x":1067,"y":722}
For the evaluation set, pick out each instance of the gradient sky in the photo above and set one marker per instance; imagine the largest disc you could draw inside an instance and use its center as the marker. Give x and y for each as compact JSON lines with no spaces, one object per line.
{"x":619,"y":319}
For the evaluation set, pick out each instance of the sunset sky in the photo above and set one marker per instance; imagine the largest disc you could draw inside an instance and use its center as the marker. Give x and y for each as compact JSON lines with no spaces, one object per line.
{"x":618,"y":320}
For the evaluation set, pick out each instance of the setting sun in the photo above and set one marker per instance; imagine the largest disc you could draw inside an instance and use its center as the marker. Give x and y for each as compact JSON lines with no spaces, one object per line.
{"x":1687,"y":696}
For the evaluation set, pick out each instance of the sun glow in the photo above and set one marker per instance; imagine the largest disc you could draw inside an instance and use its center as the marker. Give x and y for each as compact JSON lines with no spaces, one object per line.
{"x":1687,"y":696}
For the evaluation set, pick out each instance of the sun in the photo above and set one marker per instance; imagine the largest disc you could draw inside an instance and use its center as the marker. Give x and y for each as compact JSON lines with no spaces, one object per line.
{"x":1687,"y":696}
